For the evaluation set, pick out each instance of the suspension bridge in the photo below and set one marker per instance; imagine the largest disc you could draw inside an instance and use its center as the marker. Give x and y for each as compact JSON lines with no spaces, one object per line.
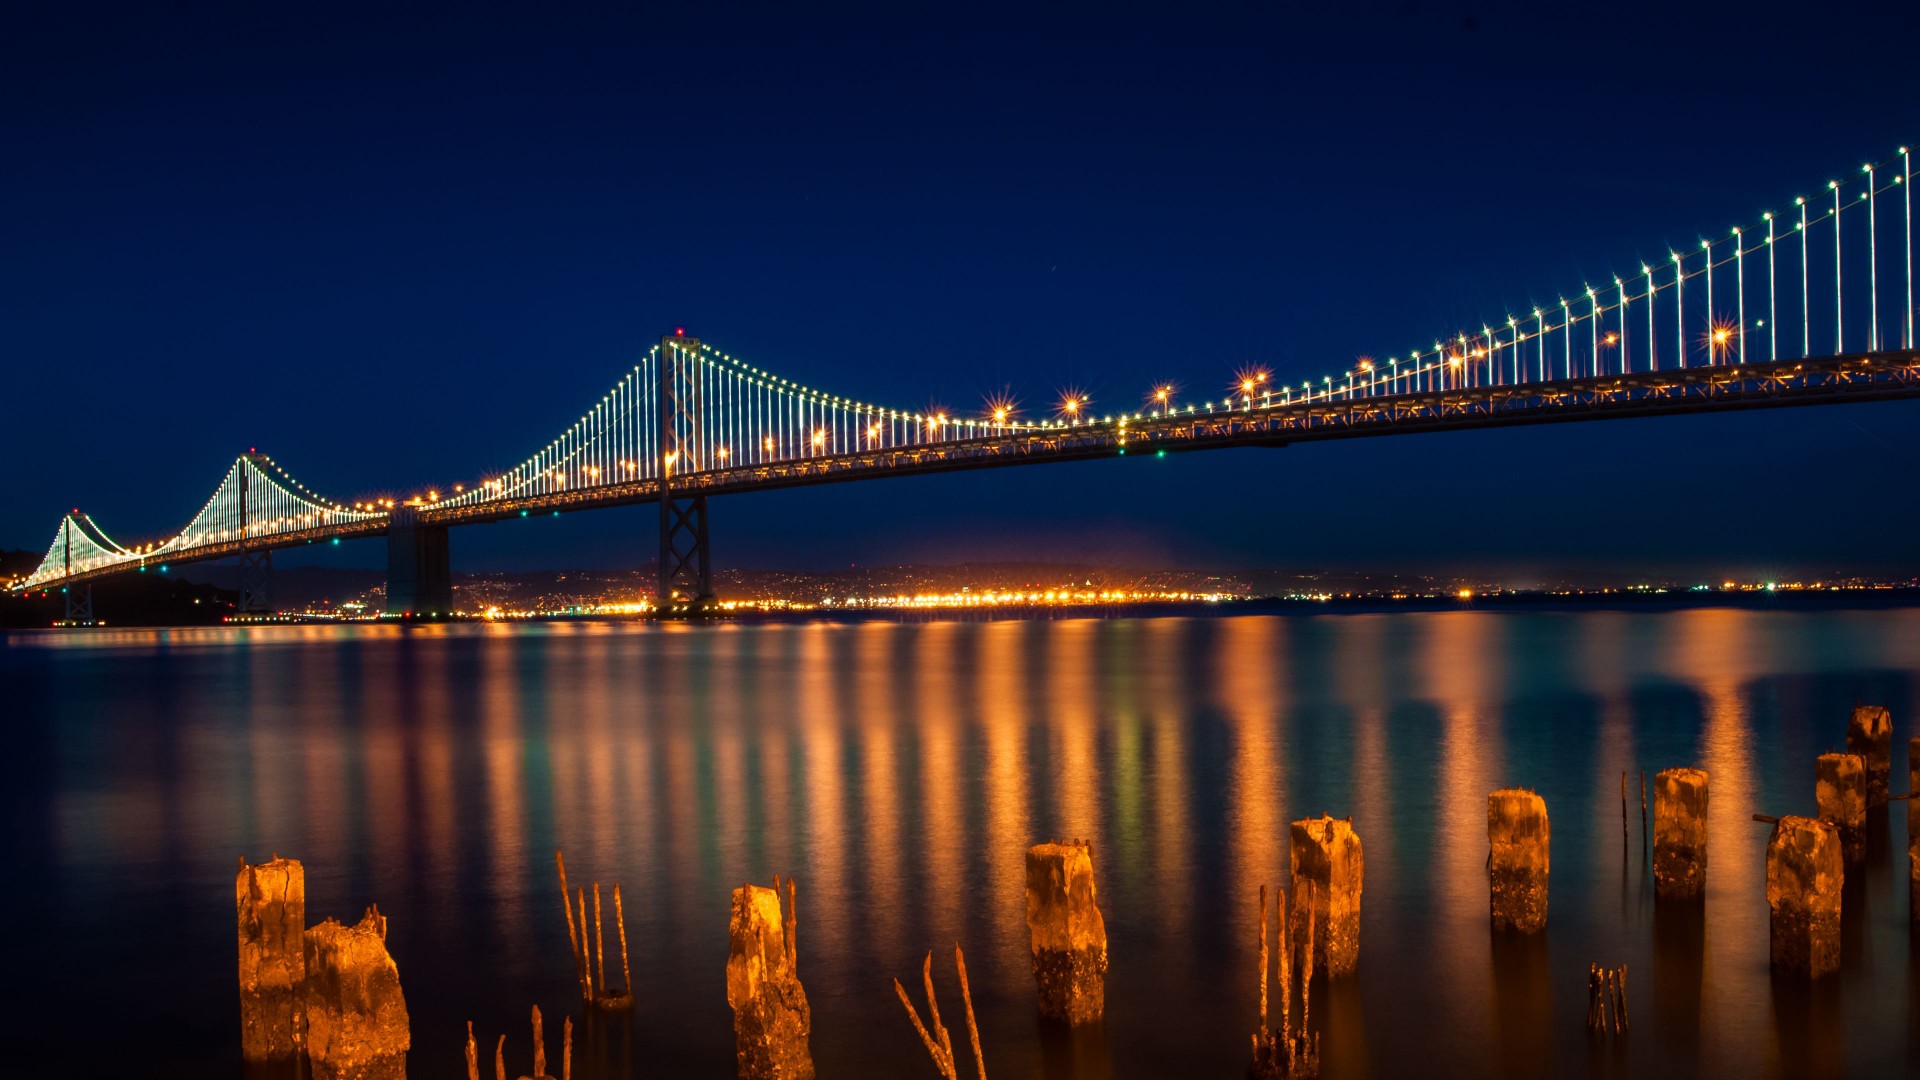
{"x":1810,"y":305}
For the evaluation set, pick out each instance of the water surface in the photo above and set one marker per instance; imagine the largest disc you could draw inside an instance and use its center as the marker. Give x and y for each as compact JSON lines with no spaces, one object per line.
{"x":899,"y":771}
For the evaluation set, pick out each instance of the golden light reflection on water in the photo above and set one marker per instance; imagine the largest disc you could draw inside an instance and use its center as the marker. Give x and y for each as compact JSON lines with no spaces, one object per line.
{"x":899,"y":770}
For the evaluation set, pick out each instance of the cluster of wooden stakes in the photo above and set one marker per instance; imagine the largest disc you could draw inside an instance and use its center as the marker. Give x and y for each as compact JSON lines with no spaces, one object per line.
{"x":1317,"y":919}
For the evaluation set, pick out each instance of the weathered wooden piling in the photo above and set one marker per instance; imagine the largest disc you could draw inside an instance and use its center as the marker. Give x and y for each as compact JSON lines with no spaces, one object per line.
{"x":771,"y":1019}
{"x":1069,"y":937}
{"x":1870,"y":735}
{"x":1840,"y":793}
{"x":1326,"y":852}
{"x":270,"y":902}
{"x":1804,"y":874}
{"x":1521,"y":839}
{"x":1679,"y":833}
{"x":1913,"y":829}
{"x":357,"y":1026}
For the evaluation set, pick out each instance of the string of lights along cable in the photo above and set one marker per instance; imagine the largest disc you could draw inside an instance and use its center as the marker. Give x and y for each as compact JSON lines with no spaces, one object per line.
{"x":1811,"y":301}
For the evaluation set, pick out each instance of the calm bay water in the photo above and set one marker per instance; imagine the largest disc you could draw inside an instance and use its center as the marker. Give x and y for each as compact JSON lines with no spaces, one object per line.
{"x":899,"y":771}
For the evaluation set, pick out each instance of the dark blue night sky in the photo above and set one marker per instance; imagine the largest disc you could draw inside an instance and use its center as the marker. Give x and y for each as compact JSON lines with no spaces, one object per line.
{"x":396,"y":249}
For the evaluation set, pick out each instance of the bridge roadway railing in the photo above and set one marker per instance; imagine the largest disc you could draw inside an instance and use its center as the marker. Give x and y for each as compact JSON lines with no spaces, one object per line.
{"x":1864,"y":377}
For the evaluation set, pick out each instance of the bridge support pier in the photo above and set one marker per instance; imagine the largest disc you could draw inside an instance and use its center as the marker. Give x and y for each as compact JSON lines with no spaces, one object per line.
{"x":256,"y":580}
{"x":686,"y":571}
{"x":419,"y":571}
{"x":79,"y":604}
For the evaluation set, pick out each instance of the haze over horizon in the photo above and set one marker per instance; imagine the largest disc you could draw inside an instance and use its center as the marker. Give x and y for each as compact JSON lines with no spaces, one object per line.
{"x":400,"y":249}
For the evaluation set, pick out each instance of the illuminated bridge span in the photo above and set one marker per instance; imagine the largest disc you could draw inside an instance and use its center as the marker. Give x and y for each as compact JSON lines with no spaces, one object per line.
{"x":1810,"y":306}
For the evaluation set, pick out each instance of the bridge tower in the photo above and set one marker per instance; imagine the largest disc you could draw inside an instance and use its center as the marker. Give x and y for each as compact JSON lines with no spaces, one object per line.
{"x":685,"y":586}
{"x":79,"y":598}
{"x":256,"y":566}
{"x":419,"y":570}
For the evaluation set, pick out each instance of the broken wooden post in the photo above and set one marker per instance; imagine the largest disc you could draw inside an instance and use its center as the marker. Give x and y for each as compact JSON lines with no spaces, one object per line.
{"x":771,"y":1019}
{"x":356,"y":1015}
{"x":1804,"y":875}
{"x":1069,"y":938}
{"x":1840,"y":792}
{"x":1326,"y":852}
{"x":1679,"y":833}
{"x":473,"y":1055}
{"x":1518,"y":866}
{"x":270,"y":902}
{"x":1870,"y":735}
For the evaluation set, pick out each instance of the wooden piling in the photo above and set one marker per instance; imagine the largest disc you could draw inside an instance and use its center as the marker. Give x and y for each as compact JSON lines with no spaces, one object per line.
{"x":473,"y":1055}
{"x":500,"y":1059}
{"x":270,"y":903}
{"x":771,"y":1017}
{"x":1326,"y":853}
{"x":1519,"y":863}
{"x":1805,"y":871}
{"x":566,"y":1050}
{"x":1679,"y":833}
{"x":1840,"y":792}
{"x":1870,"y":735}
{"x":1068,"y":936}
{"x":357,"y":1022}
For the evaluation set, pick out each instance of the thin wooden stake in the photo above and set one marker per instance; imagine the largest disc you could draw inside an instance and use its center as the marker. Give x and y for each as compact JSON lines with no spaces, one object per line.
{"x":966,"y":998}
{"x":933,"y":1010}
{"x":1623,"y":808}
{"x":573,"y":940}
{"x":582,"y":894}
{"x":539,"y":1045}
{"x":1283,"y":910}
{"x":942,"y":1059}
{"x":793,"y":932}
{"x":1306,"y":973}
{"x":1263,"y":958}
{"x":1620,"y":998}
{"x":500,"y":1059}
{"x":620,"y":917}
{"x":1643,"y":816}
{"x":566,"y":1051}
{"x":599,"y":943}
{"x":473,"y":1055}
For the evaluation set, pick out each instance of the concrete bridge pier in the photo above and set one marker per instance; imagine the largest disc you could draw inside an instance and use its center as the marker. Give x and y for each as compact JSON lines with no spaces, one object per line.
{"x":419,"y":571}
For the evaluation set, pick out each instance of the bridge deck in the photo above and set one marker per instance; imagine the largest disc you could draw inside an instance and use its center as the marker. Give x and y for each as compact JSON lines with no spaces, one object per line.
{"x":1830,"y":380}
